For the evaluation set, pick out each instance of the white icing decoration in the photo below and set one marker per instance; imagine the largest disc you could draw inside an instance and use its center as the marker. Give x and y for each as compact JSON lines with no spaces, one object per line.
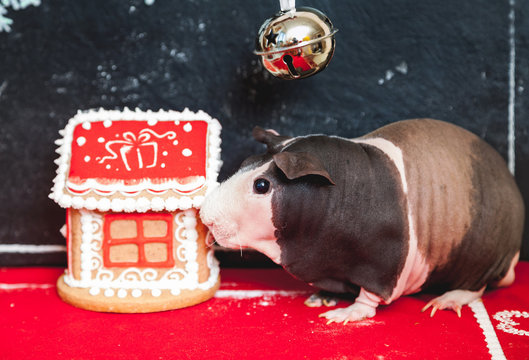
{"x":101,"y":139}
{"x":87,"y":158}
{"x":95,"y":277}
{"x":122,"y":293}
{"x":104,"y":204}
{"x":188,"y":127}
{"x":129,"y":141}
{"x":175,"y":142}
{"x":157,"y":204}
{"x":175,"y":292}
{"x":187,"y":152}
{"x":91,"y":203}
{"x":86,"y":125}
{"x":507,"y":323}
{"x":117,"y":205}
{"x":143,"y":204}
{"x":178,"y":195}
{"x":94,"y":291}
{"x":133,"y":190}
{"x":78,"y":202}
{"x":165,"y":153}
{"x":162,"y":165}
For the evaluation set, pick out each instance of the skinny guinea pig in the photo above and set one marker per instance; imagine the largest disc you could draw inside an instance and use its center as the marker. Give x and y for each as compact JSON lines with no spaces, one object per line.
{"x":415,"y":205}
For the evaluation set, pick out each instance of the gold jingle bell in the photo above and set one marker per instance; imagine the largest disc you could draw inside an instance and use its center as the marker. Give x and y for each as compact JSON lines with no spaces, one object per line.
{"x":296,"y":43}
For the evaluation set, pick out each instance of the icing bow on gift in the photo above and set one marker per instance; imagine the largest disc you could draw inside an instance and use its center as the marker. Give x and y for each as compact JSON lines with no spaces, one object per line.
{"x":136,"y":144}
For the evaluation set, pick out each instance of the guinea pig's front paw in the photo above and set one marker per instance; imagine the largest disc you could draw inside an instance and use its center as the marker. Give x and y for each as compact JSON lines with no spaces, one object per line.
{"x":355,"y":312}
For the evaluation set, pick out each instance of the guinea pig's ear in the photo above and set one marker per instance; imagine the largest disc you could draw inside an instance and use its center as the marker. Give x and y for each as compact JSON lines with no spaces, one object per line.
{"x":297,"y":164}
{"x":274,"y":141}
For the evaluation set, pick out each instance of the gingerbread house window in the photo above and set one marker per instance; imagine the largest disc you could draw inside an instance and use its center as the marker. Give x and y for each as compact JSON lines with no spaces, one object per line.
{"x":140,"y":240}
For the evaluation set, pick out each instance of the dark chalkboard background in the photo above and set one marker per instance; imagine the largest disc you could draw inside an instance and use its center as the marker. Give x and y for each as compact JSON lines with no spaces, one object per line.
{"x":466,"y":62}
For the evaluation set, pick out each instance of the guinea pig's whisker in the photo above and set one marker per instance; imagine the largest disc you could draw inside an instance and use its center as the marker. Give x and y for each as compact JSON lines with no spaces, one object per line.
{"x":239,"y":241}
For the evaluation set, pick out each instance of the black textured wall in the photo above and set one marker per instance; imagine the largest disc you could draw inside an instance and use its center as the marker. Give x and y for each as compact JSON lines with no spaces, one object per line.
{"x":464,"y":62}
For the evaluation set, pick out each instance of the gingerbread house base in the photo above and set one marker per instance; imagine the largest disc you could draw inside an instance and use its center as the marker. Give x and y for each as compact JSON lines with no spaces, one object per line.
{"x":82,"y":298}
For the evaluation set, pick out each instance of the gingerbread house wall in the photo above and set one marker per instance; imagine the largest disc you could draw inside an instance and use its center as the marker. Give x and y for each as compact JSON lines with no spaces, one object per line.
{"x":194,"y":266}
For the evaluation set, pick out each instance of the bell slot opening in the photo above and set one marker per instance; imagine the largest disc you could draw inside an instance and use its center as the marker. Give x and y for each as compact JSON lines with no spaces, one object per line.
{"x":289,"y":61}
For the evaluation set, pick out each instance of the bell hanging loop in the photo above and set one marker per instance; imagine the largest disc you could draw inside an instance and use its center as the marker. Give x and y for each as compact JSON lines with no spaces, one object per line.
{"x":287,"y":5}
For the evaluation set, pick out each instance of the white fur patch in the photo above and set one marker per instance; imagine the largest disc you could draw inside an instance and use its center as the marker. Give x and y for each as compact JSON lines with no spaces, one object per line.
{"x":393,"y":152}
{"x":240,"y":218}
{"x":415,"y":269}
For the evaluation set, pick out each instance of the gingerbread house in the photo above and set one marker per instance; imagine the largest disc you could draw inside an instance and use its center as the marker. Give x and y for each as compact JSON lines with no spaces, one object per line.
{"x":132,"y":183}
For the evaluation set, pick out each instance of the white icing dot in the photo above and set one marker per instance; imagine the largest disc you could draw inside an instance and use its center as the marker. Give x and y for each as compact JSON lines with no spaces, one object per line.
{"x":117,"y":205}
{"x":190,"y":222}
{"x":165,"y":153}
{"x":171,"y":204}
{"x":186,"y":152}
{"x":108,"y":167}
{"x":122,"y":293}
{"x":77,"y":202}
{"x":86,"y":125}
{"x":104,"y":204}
{"x":175,"y":142}
{"x":177,"y":122}
{"x":94,"y":291}
{"x":143,"y":204}
{"x":188,"y":127}
{"x":107,"y":123}
{"x":81,"y":140}
{"x":162,"y":165}
{"x":152,"y":122}
{"x":185,"y":203}
{"x":136,"y":293}
{"x":157,"y":204}
{"x":129,"y":205}
{"x":91,"y":203}
{"x":175,"y":291}
{"x":109,"y":292}
{"x":101,"y":140}
{"x":86,"y":158}
{"x":156,"y":292}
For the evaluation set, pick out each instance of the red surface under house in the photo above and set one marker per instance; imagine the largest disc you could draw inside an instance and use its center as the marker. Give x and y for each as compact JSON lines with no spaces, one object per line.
{"x":257,"y":314}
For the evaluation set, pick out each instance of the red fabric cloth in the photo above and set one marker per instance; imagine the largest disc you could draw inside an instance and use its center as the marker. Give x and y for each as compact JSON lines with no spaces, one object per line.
{"x":257,"y":314}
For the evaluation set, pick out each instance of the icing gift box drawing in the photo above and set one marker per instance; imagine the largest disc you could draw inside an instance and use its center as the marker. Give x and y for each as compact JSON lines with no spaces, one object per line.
{"x":415,"y":205}
{"x":132,"y":183}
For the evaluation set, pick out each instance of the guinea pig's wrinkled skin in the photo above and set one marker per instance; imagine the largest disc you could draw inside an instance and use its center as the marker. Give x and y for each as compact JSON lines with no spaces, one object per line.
{"x":415,"y":205}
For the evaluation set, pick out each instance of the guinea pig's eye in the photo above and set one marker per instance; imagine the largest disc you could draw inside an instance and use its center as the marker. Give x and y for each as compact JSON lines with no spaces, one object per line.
{"x":261,"y":186}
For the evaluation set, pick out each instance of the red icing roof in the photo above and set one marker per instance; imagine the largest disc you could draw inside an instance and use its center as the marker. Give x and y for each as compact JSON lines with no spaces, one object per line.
{"x":132,"y":153}
{"x":127,"y":153}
